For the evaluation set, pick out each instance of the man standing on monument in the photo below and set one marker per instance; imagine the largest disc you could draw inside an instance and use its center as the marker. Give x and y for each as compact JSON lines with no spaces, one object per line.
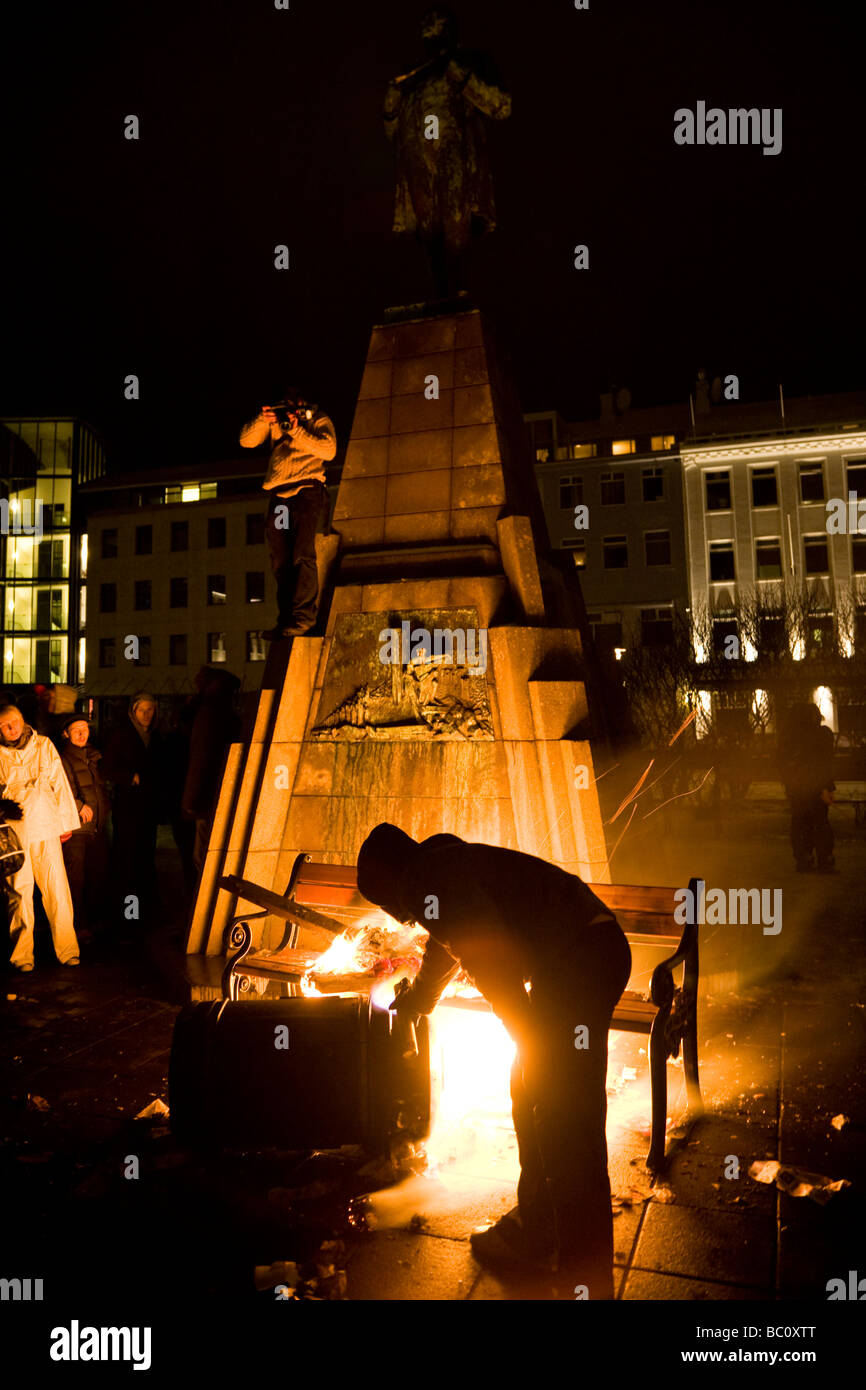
{"x":303,"y":440}
{"x":508,"y":918}
{"x":434,"y":116}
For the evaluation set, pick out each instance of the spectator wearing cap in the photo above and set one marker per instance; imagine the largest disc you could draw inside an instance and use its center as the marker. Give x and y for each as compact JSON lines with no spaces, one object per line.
{"x":85,"y":853}
{"x":31,"y":774}
{"x":133,"y":765}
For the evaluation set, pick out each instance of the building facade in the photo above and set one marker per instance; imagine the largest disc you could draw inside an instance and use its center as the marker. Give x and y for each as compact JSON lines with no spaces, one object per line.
{"x":43,"y":550}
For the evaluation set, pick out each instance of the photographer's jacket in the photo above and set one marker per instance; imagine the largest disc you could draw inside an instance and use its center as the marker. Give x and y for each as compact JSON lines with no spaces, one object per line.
{"x":298,"y":456}
{"x":31,"y":773}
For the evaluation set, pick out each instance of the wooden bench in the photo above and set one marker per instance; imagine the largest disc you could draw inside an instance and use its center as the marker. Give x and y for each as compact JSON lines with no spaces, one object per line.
{"x":652,"y":1003}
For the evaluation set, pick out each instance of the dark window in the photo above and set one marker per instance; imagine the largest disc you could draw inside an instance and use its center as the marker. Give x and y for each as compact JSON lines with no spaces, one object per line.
{"x":108,"y":598}
{"x":812,"y":482}
{"x":718,"y":491}
{"x":615,"y":552}
{"x":570,"y":493}
{"x":858,"y":554}
{"x":723,"y":628}
{"x":657,"y":627}
{"x":50,"y":561}
{"x":815,"y":556}
{"x":857,"y":477}
{"x":107,"y":652}
{"x":180,"y":535}
{"x":255,"y":528}
{"x":216,"y":532}
{"x":143,"y":658}
{"x":658,"y":547}
{"x":216,"y":589}
{"x":607,"y":637}
{"x":255,"y":586}
{"x":772,"y":641}
{"x":144,"y":540}
{"x":255,"y":646}
{"x":860,"y":630}
{"x":178,"y":593}
{"x":109,"y":543}
{"x":177,"y":649}
{"x":768,"y":559}
{"x":764,"y":491}
{"x":722,"y":561}
{"x":612,"y":489}
{"x":142,"y":595}
{"x":653,"y":484}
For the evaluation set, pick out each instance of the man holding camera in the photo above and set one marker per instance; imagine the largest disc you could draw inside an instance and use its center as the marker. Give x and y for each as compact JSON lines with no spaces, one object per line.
{"x":302,"y":441}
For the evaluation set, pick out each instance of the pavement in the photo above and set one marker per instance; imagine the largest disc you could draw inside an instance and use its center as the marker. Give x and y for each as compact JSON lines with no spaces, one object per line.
{"x":95,"y":1196}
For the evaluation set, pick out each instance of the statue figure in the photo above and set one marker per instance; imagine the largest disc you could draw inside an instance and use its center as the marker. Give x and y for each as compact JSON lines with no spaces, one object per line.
{"x":434,"y":116}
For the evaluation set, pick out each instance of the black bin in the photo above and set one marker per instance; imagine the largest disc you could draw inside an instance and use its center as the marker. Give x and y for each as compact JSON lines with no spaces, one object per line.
{"x":346,"y":1077}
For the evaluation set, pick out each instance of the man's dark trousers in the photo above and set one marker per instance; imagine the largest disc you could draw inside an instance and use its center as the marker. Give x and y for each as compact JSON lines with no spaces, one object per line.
{"x":559,"y":1103}
{"x":292,"y":548}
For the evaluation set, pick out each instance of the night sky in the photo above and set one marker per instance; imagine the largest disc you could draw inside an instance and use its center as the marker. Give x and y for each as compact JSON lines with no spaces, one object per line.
{"x":261,"y":126}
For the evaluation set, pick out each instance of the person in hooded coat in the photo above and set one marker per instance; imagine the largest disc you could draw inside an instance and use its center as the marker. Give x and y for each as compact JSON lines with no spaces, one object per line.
{"x":215,"y":726}
{"x":31,"y":775}
{"x":807,"y":772}
{"x":85,"y":853}
{"x":133,"y":765}
{"x":509,"y":918}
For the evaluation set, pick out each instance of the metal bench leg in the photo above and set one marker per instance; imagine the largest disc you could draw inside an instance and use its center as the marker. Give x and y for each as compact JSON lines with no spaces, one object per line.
{"x":690,"y":1068}
{"x":659,"y":1084}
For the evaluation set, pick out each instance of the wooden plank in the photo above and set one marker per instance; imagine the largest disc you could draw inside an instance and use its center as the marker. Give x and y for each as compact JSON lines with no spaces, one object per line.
{"x":282,"y":907}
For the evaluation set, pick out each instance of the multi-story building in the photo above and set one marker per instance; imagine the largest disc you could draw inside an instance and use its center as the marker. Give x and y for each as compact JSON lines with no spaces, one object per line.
{"x":744,"y":517}
{"x":43,"y":553}
{"x":611,"y":490}
{"x":178,"y":577}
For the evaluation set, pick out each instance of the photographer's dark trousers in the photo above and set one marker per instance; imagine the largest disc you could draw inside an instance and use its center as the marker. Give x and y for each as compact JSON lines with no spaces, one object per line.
{"x":811,"y":830}
{"x":560,"y":1107}
{"x":292,"y":549}
{"x":85,"y":855}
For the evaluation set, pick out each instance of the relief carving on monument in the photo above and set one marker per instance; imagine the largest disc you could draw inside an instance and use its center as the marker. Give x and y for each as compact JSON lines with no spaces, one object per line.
{"x":433,"y":684}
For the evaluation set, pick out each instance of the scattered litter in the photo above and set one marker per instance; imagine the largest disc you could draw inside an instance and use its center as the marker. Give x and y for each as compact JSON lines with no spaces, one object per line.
{"x":37,"y":1102}
{"x":663,"y":1193}
{"x":632,"y":1198}
{"x":839,"y":1121}
{"x":796,"y":1182}
{"x":150,"y":1112}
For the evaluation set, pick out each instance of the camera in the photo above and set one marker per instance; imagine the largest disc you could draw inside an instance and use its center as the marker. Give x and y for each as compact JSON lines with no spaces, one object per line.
{"x":286,"y":408}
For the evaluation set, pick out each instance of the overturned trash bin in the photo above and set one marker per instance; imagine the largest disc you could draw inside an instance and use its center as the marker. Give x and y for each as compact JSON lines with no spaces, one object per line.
{"x":303,"y":1073}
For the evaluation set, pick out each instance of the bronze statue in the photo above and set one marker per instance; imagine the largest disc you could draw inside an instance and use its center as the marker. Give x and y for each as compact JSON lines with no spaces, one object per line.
{"x":434,"y":116}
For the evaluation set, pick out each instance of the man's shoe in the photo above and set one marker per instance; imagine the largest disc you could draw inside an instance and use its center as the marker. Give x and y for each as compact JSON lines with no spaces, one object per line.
{"x":503,"y":1245}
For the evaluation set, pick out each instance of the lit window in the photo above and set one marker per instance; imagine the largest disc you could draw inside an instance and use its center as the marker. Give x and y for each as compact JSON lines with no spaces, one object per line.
{"x":622,"y":446}
{"x":190,"y":492}
{"x":578,"y":550}
{"x":208,"y":492}
{"x":662,"y":441}
{"x":216,"y":646}
{"x":256,"y":650}
{"x":582,"y":451}
{"x":216,"y":589}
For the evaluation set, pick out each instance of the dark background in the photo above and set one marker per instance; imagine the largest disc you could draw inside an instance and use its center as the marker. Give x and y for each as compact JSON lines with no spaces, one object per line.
{"x":261,"y":126}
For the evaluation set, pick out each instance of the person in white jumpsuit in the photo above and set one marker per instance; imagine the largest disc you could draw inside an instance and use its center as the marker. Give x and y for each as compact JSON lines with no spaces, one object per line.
{"x":31,"y":774}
